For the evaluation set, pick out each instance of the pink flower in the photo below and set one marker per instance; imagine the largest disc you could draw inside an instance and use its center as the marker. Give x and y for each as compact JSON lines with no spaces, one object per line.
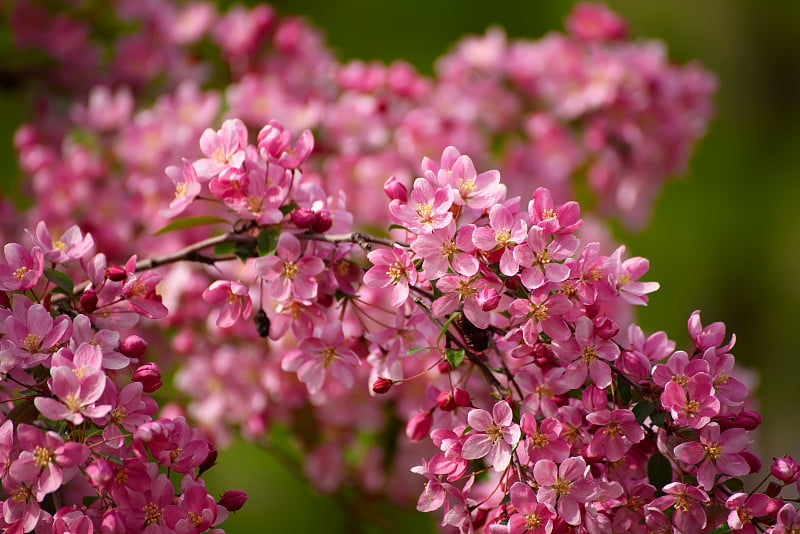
{"x":543,"y":312}
{"x":288,"y":272}
{"x":318,"y":356}
{"x":709,"y":336}
{"x":694,"y":405}
{"x":77,"y":391}
{"x":477,"y":191}
{"x":563,"y":219}
{"x":788,"y":520}
{"x":21,"y":269}
{"x":34,"y":333}
{"x":496,"y":435}
{"x":543,"y":258}
{"x":716,"y":453}
{"x":195,"y":511}
{"x":273,"y":144}
{"x":623,"y":276}
{"x":391,"y":267}
{"x":233,"y":298}
{"x":187,"y":187}
{"x":464,"y":290}
{"x":564,"y":487}
{"x":688,"y":501}
{"x":142,"y":297}
{"x":428,"y":208}
{"x":619,"y":431}
{"x":531,"y":516}
{"x":744,"y":508}
{"x":588,"y":355}
{"x":223,"y":149}
{"x":544,"y":440}
{"x":72,"y":245}
{"x":594,"y":22}
{"x":503,"y":233}
{"x":442,"y":249}
{"x":543,"y":387}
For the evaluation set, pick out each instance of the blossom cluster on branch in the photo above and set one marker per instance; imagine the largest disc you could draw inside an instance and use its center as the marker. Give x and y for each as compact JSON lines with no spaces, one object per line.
{"x":469,"y":321}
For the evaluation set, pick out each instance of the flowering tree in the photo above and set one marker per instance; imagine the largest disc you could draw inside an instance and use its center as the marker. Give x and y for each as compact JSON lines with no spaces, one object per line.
{"x":336,"y":260}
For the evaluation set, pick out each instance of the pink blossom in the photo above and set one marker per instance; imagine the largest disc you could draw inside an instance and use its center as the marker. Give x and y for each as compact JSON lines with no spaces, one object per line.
{"x":716,"y":453}
{"x":594,"y":22}
{"x":496,"y":435}
{"x":442,"y":249}
{"x":77,"y":395}
{"x":233,"y":298}
{"x":542,"y":388}
{"x":709,"y":336}
{"x":288,"y":272}
{"x":544,"y":440}
{"x":588,"y":355}
{"x":318,"y":356}
{"x":623,"y":276}
{"x":788,"y":520}
{"x":543,"y":259}
{"x":564,"y":487}
{"x":195,"y":511}
{"x":693,"y":405}
{"x":223,"y":149}
{"x":22,"y":269}
{"x":273,"y":143}
{"x":688,"y":501}
{"x":391,"y":267}
{"x":477,"y":191}
{"x":140,"y":291}
{"x":744,"y":508}
{"x":33,"y":331}
{"x":428,"y":208}
{"x":563,"y":219}
{"x":187,"y":187}
{"x":464,"y":290}
{"x":503,"y":233}
{"x":619,"y":432}
{"x":72,"y":245}
{"x":543,"y":312}
{"x":531,"y":516}
{"x":679,"y":369}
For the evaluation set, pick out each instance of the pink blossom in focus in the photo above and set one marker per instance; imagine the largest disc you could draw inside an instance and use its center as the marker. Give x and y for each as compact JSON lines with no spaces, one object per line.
{"x":233,"y":301}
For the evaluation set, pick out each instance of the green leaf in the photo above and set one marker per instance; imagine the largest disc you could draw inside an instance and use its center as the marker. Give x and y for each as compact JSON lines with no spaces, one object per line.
{"x":225,"y":248}
{"x":454,"y":356}
{"x":446,"y":325}
{"x":659,"y":418}
{"x":61,"y":280}
{"x":734,"y":484}
{"x":191,"y":222}
{"x":416,"y":350}
{"x":624,"y":391}
{"x":397,"y":227}
{"x":722,"y":529}
{"x":659,"y":471}
{"x":642,"y":410}
{"x":244,"y":251}
{"x":288,"y":208}
{"x":267,"y":241}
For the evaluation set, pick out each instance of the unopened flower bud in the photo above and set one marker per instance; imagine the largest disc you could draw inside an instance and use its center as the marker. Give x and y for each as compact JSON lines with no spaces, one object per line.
{"x":444,"y":367}
{"x":488,"y":298}
{"x":115,"y":273}
{"x":748,"y":419}
{"x":605,"y":327}
{"x":542,"y":354}
{"x":594,"y":398}
{"x":303,"y":218}
{"x":419,"y":426}
{"x":209,"y":462}
{"x":785,"y":469}
{"x":233,"y":500}
{"x":273,"y":139}
{"x":132,"y":346}
{"x":382,"y":385}
{"x":445,"y":401}
{"x":462,"y":397}
{"x":773,"y":489}
{"x":752,"y":460}
{"x":149,"y":375}
{"x":395,"y":189}
{"x":323,"y":222}
{"x":89,"y":300}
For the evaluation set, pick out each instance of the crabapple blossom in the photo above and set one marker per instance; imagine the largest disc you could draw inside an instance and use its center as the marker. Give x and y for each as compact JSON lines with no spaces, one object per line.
{"x":496,"y":435}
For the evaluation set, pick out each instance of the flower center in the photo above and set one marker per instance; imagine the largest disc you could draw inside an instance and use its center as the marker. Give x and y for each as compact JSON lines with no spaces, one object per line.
{"x":32,"y":342}
{"x":543,"y":257}
{"x":449,"y":248}
{"x":181,"y":189}
{"x":721,"y":378}
{"x":465,"y":289}
{"x":502,"y":236}
{"x":713,"y":450}
{"x":532,"y":520}
{"x":73,"y":403}
{"x":328,"y":355}
{"x":562,"y":487}
{"x":692,"y":407}
{"x":425,"y":211}
{"x":540,"y":312}
{"x":494,"y":432}
{"x":59,"y":245}
{"x":152,"y":513}
{"x":42,"y":456}
{"x":589,"y":354}
{"x":682,"y":502}
{"x":20,"y":273}
{"x":21,"y":493}
{"x":613,"y":430}
{"x":395,"y":272}
{"x":540,"y":440}
{"x":195,"y":519}
{"x":289,"y":270}
{"x":681,"y":379}
{"x":118,"y":414}
{"x":548,"y":214}
{"x":466,"y":187}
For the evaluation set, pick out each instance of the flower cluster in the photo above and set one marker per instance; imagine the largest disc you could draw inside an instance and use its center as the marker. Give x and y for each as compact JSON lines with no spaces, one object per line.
{"x":81,"y":446}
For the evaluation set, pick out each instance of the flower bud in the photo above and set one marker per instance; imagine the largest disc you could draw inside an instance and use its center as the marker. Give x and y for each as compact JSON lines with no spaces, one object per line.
{"x":209,"y":462}
{"x":149,"y":375}
{"x":594,"y":398}
{"x":89,"y":300}
{"x":382,"y":385}
{"x":273,"y":139}
{"x":752,"y":460}
{"x":462,"y":398}
{"x":488,"y":298}
{"x":542,"y":354}
{"x":773,"y":489}
{"x":323,"y":222}
{"x":233,"y":500}
{"x":115,"y":273}
{"x":419,"y":426}
{"x":445,"y":401}
{"x":395,"y":189}
{"x":748,"y":419}
{"x":132,"y":346}
{"x":444,"y":367}
{"x":785,"y":469}
{"x":303,"y":218}
{"x":605,"y":327}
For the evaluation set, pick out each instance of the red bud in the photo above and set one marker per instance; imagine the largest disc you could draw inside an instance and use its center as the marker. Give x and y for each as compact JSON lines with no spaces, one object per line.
{"x":382,"y":385}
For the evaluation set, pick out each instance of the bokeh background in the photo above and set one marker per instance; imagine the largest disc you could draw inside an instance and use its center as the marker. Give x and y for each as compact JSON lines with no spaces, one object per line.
{"x":724,"y":238}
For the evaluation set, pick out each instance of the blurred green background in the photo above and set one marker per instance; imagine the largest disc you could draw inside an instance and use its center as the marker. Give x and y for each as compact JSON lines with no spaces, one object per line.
{"x":723,"y":238}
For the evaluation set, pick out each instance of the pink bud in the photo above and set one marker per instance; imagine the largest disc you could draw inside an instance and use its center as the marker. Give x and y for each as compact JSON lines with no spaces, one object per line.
{"x":445,"y":401}
{"x":488,"y":298}
{"x":233,"y":500}
{"x":752,"y":460}
{"x":395,"y":189}
{"x":594,"y":398}
{"x":382,"y":385}
{"x":132,"y":346}
{"x":748,"y":419}
{"x":209,"y":462}
{"x":273,"y":139}
{"x":149,"y":375}
{"x":303,"y":218}
{"x":462,"y":397}
{"x":324,"y":222}
{"x":115,"y":273}
{"x":605,"y":327}
{"x":785,"y":469}
{"x":773,"y":489}
{"x":89,"y":300}
{"x":542,"y":354}
{"x":419,"y":426}
{"x":592,"y":22}
{"x":444,"y":367}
